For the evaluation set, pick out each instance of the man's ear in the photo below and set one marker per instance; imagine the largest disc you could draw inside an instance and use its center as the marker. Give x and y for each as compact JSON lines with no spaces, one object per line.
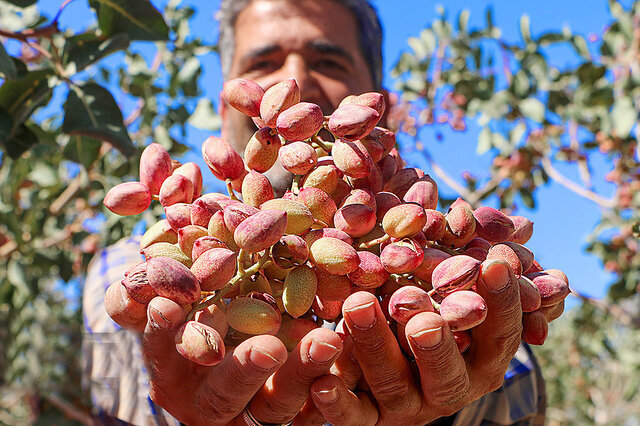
{"x":223,"y":111}
{"x":387,"y":102}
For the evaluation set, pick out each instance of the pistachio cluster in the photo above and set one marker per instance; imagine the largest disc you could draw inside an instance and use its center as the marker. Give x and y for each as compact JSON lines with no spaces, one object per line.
{"x":354,"y":219}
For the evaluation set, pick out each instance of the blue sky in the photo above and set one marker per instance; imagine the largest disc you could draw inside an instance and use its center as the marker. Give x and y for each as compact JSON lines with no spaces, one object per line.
{"x":563,"y":219}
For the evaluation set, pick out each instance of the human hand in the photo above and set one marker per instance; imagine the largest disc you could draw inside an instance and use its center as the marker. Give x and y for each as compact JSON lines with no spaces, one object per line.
{"x":258,"y":371}
{"x":443,"y":380}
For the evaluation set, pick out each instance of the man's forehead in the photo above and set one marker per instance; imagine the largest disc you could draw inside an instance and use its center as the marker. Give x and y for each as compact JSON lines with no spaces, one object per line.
{"x":267,"y":24}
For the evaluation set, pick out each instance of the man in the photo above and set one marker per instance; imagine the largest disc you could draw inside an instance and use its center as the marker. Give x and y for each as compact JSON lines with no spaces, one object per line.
{"x":332,"y":49}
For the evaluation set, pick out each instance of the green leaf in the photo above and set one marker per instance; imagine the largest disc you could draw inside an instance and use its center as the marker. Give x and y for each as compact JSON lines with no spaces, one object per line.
{"x":463,"y":21}
{"x":580,"y":45}
{"x":205,"y":117}
{"x":21,"y":3}
{"x":6,"y":124}
{"x":138,"y":19}
{"x":484,"y":141}
{"x":82,"y":150}
{"x":85,"y":49}
{"x":525,"y":28}
{"x":624,"y":116}
{"x":22,"y":139}
{"x":589,"y":73}
{"x":21,"y":96}
{"x":44,"y":175}
{"x":7,"y":66}
{"x":532,"y":108}
{"x":527,"y":197}
{"x":488,"y":17}
{"x":549,"y":38}
{"x":90,"y":110}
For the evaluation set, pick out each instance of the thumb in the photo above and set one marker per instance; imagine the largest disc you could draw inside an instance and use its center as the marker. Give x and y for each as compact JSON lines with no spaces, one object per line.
{"x":164,"y":318}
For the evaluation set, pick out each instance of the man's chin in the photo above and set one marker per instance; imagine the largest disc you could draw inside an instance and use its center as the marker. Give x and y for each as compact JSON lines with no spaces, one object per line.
{"x":280,"y":179}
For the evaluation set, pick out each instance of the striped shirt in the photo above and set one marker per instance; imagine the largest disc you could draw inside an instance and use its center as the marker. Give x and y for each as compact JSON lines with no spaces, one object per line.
{"x":114,"y":372}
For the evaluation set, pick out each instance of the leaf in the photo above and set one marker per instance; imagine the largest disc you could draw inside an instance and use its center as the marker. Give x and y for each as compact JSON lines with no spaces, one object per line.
{"x":85,"y":49}
{"x":488,"y":17}
{"x":138,"y":19}
{"x":550,"y":37}
{"x":7,"y":66}
{"x":624,"y":116}
{"x":525,"y":28}
{"x":21,"y":3}
{"x":90,"y":110}
{"x":532,"y":108}
{"x":589,"y":73}
{"x":6,"y":124}
{"x":527,"y":197}
{"x":580,"y":45}
{"x":21,"y":96}
{"x":463,"y":21}
{"x":44,"y":175}
{"x":205,"y":117}
{"x":82,"y":150}
{"x":23,"y":138}
{"x":484,"y":141}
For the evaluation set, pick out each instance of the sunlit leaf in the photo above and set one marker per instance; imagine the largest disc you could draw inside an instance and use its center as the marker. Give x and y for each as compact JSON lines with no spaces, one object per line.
{"x":7,"y":65}
{"x":90,"y":110}
{"x":138,"y":19}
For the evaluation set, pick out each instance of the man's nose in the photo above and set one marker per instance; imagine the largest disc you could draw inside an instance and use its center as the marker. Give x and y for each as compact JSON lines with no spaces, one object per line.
{"x":297,"y":68}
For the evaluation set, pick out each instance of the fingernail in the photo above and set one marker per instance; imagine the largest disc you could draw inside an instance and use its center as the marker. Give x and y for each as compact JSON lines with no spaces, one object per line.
{"x":363,"y":316}
{"x":496,"y":276}
{"x":158,"y":320}
{"x":327,"y":396}
{"x":321,"y":352}
{"x":427,"y":338}
{"x":262,"y":359}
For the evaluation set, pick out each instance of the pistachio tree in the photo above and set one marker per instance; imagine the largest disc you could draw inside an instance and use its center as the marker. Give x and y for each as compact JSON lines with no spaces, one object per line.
{"x":76,"y":108}
{"x":537,"y":118}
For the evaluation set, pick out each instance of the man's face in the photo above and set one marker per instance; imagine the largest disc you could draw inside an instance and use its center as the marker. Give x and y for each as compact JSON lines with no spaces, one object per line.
{"x":313,"y":41}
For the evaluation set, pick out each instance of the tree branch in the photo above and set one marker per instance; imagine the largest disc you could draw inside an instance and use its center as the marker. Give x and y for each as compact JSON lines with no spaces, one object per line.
{"x":606,"y":203}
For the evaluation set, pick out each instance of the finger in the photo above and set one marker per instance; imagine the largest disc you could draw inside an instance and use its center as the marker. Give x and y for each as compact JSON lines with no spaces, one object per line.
{"x":383,"y":365}
{"x":340,"y":406}
{"x":123,"y":310}
{"x":443,"y":371}
{"x":496,"y":339}
{"x":229,"y":386}
{"x":165,"y":365}
{"x":284,"y":394}
{"x":346,"y":366}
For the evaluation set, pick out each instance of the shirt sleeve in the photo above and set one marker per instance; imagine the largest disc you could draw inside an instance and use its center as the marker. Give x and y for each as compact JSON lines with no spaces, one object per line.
{"x":521,"y":400}
{"x":113,"y":369}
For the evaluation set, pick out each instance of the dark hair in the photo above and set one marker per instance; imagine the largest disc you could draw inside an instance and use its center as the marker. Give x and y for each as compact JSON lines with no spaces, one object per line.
{"x":369,"y":33}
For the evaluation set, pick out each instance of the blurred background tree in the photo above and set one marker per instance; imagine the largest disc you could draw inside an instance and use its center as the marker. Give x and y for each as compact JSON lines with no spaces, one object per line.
{"x":77,"y":107}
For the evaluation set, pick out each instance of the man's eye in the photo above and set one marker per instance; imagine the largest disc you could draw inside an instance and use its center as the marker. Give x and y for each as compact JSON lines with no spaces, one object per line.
{"x":329,"y":64}
{"x":262,"y":65}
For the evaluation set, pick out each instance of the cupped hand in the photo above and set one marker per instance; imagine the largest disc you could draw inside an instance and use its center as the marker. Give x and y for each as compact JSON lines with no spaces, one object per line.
{"x":443,"y":381}
{"x":259,"y":371}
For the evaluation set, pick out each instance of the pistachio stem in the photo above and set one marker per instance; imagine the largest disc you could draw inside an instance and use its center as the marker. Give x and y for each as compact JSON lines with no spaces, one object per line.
{"x":326,"y":146}
{"x":372,"y":243}
{"x":230,"y":190}
{"x":219,"y":294}
{"x":295,"y":184}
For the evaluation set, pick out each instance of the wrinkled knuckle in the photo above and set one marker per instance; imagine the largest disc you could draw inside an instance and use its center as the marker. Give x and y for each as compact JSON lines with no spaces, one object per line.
{"x":495,"y":383}
{"x":279,"y":410}
{"x":393,"y":392}
{"x":506,"y":345}
{"x":448,"y":394}
{"x":215,"y":404}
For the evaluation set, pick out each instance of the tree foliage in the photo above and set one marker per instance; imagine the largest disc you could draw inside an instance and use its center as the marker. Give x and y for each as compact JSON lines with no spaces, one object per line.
{"x":537,"y":118}
{"x":65,"y":142}
{"x":76,"y":108}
